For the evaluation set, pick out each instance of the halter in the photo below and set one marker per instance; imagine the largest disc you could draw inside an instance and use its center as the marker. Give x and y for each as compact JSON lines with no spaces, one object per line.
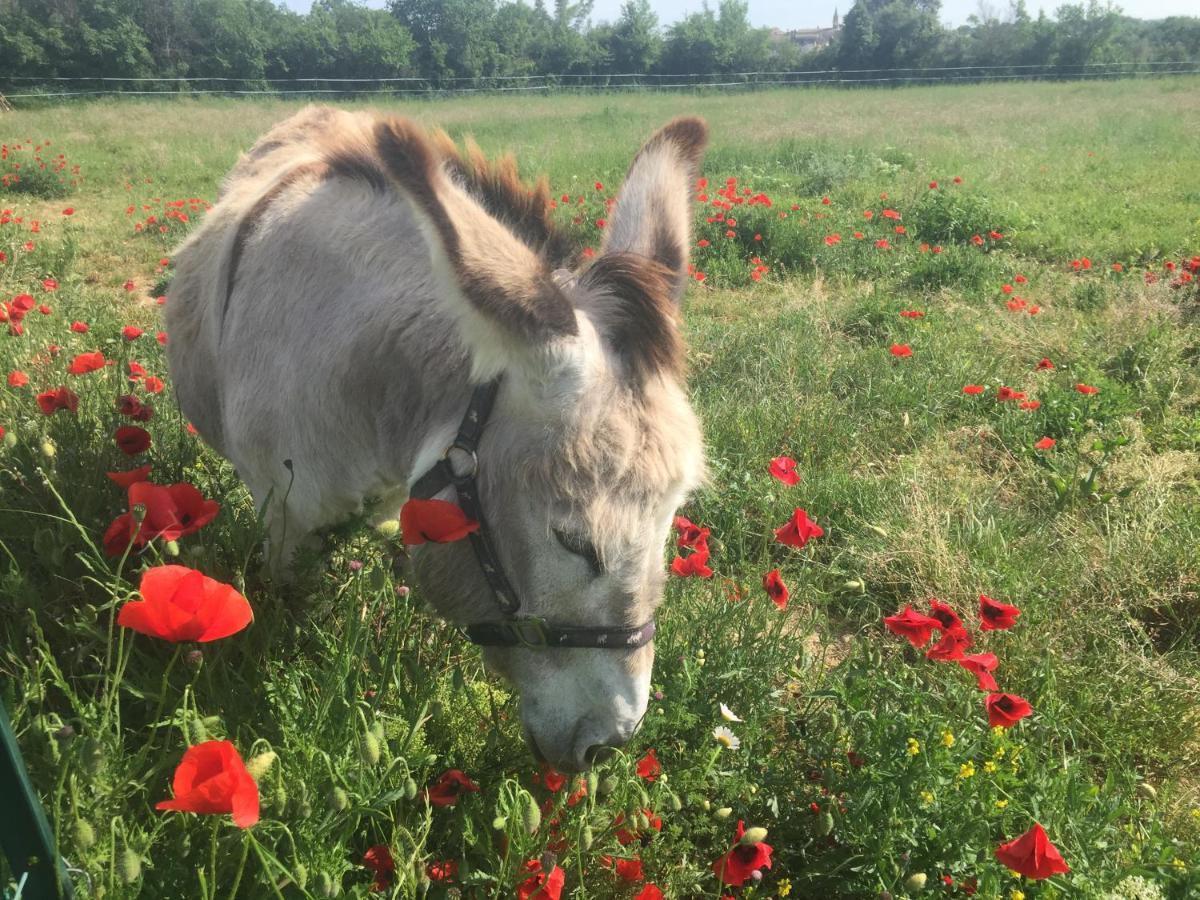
{"x":458,"y":467}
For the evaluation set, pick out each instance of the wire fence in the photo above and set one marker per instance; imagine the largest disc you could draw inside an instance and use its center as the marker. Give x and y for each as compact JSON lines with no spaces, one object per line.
{"x":27,"y":87}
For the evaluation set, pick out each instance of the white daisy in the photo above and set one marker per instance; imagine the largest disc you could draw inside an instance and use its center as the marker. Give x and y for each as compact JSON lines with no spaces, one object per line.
{"x":728,"y":714}
{"x":726,"y":738}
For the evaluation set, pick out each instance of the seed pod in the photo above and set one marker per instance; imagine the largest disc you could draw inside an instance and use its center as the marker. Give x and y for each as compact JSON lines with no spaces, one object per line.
{"x":370,"y":750}
{"x":130,"y":866}
{"x":410,"y":789}
{"x":339,"y":800}
{"x":172,"y":548}
{"x":531,"y":816}
{"x":825,"y":825}
{"x":83,"y":835}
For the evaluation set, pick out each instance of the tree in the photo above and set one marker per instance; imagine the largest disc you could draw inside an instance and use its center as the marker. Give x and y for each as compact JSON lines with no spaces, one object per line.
{"x":890,"y":34}
{"x":635,"y":43}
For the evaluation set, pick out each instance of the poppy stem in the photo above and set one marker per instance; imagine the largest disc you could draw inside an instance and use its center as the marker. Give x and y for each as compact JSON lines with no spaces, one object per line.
{"x":162,"y":701}
{"x":247,"y":838}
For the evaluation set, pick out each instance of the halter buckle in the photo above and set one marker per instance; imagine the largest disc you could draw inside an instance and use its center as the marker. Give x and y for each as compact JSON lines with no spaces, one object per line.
{"x":472,"y":459}
{"x":529,"y":631}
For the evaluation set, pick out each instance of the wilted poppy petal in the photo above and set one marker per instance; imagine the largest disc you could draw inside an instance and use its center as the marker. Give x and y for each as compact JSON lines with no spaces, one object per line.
{"x":435,"y":521}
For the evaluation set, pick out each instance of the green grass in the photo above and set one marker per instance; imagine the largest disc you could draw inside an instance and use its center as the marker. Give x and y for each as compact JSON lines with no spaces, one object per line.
{"x":923,"y":491}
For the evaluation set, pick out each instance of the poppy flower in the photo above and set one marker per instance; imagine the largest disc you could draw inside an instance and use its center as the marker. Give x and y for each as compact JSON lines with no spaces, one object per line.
{"x":1030,"y":404}
{"x":630,"y":870}
{"x":131,"y":332}
{"x":1087,"y":389}
{"x":1006,"y":393}
{"x":379,"y":860}
{"x":799,"y":530}
{"x":626,"y":836}
{"x":85,"y":363}
{"x":690,"y":534}
{"x":170,"y":512}
{"x":1006,"y":710}
{"x":552,"y":779}
{"x":1032,"y":855}
{"x":952,"y":645}
{"x":695,"y":563}
{"x":449,"y":788}
{"x":446,"y":870}
{"x":212,"y":779}
{"x":80,"y":327}
{"x":435,"y":521}
{"x":59,"y":398}
{"x":944,"y":614}
{"x":133,"y":476}
{"x":911,"y":314}
{"x":901,"y":350}
{"x":152,"y":384}
{"x":912,"y":626}
{"x":649,"y":892}
{"x":540,"y":885}
{"x":982,"y":665}
{"x":132,"y":440}
{"x":972,"y":389}
{"x":648,"y":767}
{"x":784,"y":469}
{"x":17,"y":378}
{"x":996,"y":616}
{"x":1044,"y":364}
{"x":775,"y":588}
{"x":180,"y":604}
{"x":1044,"y":444}
{"x":737,"y":866}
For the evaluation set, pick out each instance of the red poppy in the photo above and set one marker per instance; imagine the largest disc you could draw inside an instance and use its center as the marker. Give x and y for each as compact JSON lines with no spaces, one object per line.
{"x":133,"y":476}
{"x":212,"y":779}
{"x":648,"y":767}
{"x":1007,"y":393}
{"x":132,"y":440}
{"x":171,"y":512}
{"x":85,"y":363}
{"x":129,"y":285}
{"x":1044,"y":444}
{"x":80,"y":327}
{"x":911,"y":314}
{"x":775,"y":588}
{"x":630,"y":869}
{"x":973,"y":389}
{"x":1030,"y":404}
{"x":799,"y":530}
{"x":180,"y":604}
{"x":435,"y":521}
{"x":59,"y":398}
{"x":539,"y":885}
{"x":695,"y":563}
{"x":1032,"y":855}
{"x":626,"y":836}
{"x":952,"y":645}
{"x":996,"y":616}
{"x":17,"y":378}
{"x":690,"y":534}
{"x":446,"y":870}
{"x":944,"y":614}
{"x":912,"y":626}
{"x":553,"y":779}
{"x":736,"y":866}
{"x":983,"y":665}
{"x":649,"y":892}
{"x":152,"y":384}
{"x":1043,"y":364}
{"x":784,"y":469}
{"x":131,"y":332}
{"x":901,"y":350}
{"x":449,"y":788}
{"x":379,"y":860}
{"x":1087,"y":389}
{"x":1006,"y":710}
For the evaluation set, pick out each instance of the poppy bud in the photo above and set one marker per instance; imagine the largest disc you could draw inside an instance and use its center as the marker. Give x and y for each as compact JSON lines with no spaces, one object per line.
{"x":410,"y":789}
{"x":643,"y":797}
{"x":531,"y":816}
{"x":172,"y":548}
{"x":259,"y":765}
{"x":325,"y":886}
{"x":756,"y":876}
{"x":402,"y":590}
{"x":875,"y":529}
{"x":1146,"y":789}
{"x":916,"y":882}
{"x":130,"y":865}
{"x":300,"y":875}
{"x":587,"y":838}
{"x":643,"y":821}
{"x":10,"y":439}
{"x":430,"y":760}
{"x":279,"y":799}
{"x":825,"y":825}
{"x":388,"y":528}
{"x":856,"y":585}
{"x":339,"y":800}
{"x":83,"y":835}
{"x":608,"y":784}
{"x":199,"y":731}
{"x":593,"y":783}
{"x":49,"y":450}
{"x":370,"y":749}
{"x":705,"y":805}
{"x":753,"y":836}
{"x":724,"y":812}
{"x":676,"y":803}
{"x":500,"y":823}
{"x":194,"y":659}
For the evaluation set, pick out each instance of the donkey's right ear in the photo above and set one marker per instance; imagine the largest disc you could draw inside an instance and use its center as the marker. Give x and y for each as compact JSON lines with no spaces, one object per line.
{"x":653,"y":214}
{"x":507,"y":304}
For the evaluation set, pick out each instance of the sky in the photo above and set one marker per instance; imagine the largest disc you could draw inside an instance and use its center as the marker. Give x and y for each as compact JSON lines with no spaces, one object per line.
{"x":813,"y":13}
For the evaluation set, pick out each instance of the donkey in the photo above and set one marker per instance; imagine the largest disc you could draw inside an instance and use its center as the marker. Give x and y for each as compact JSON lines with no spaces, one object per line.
{"x":362,"y":292}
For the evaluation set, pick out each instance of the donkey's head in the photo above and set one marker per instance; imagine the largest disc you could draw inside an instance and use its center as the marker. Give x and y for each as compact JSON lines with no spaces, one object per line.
{"x":592,"y":445}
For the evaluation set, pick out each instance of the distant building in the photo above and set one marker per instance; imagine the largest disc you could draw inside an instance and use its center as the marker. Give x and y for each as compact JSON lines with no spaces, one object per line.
{"x":808,"y":38}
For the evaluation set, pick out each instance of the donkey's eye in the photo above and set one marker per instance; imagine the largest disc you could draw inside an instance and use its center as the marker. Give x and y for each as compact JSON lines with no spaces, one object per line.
{"x":581,"y":547}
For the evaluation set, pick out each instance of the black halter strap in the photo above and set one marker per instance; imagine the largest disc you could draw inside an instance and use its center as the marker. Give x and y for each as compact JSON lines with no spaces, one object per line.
{"x":458,"y":467}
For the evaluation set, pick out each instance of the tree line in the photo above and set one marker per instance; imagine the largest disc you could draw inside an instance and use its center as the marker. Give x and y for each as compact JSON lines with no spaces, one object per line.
{"x":438,"y":40}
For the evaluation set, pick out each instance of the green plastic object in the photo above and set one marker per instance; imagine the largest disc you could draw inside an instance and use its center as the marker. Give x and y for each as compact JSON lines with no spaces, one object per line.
{"x":25,"y":834}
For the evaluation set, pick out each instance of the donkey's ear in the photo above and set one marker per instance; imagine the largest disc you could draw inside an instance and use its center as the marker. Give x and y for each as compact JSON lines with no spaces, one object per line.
{"x":502,"y":293}
{"x":653,"y":214}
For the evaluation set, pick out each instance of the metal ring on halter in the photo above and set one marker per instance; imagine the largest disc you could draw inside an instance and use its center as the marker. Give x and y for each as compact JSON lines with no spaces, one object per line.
{"x":474,"y":459}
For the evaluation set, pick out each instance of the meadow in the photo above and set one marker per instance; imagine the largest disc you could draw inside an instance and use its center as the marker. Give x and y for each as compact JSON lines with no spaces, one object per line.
{"x":967,"y":313}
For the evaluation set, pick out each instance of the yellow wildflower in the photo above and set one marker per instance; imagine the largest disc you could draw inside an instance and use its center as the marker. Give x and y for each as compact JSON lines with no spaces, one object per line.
{"x":947,"y":739}
{"x":1001,"y":804}
{"x":989,"y":767}
{"x":914,"y":746}
{"x":1016,"y":895}
{"x":966,"y":770}
{"x":785,"y":887}
{"x":927,"y":798}
{"x":1179,"y":864}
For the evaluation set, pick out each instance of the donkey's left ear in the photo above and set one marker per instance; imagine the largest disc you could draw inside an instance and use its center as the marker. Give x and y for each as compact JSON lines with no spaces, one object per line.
{"x":653,"y":213}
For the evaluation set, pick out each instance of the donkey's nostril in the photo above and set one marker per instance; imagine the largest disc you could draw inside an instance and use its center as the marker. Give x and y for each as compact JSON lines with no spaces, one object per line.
{"x":598,"y":753}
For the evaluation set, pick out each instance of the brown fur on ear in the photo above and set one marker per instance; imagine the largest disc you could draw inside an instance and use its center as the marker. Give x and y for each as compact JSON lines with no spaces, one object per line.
{"x":500,"y":275}
{"x":688,"y":135}
{"x":631,"y":299}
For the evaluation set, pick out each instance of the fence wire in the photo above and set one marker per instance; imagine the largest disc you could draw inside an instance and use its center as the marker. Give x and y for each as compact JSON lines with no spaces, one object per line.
{"x":26,"y":87}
